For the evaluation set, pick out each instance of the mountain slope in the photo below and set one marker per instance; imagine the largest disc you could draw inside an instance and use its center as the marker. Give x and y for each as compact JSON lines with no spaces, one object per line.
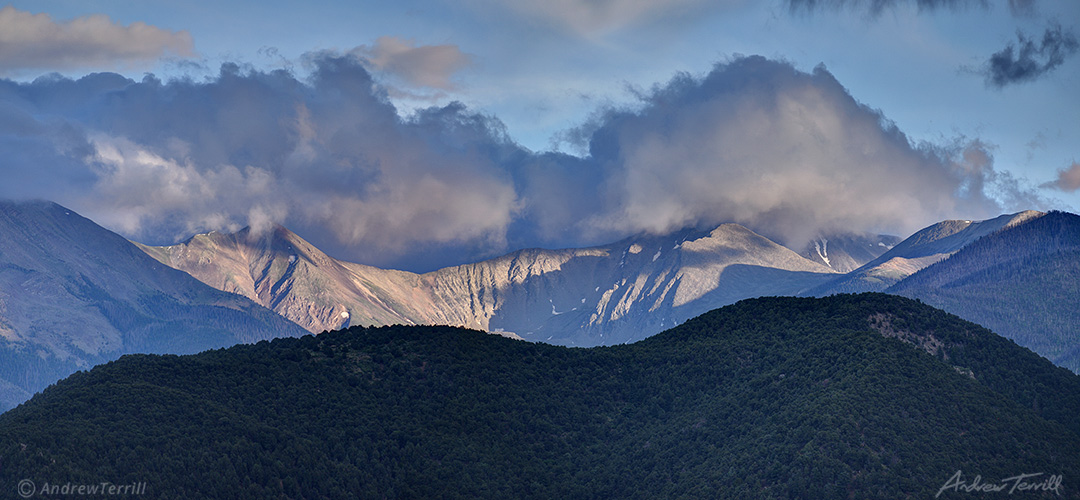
{"x":925,"y":247}
{"x":602,"y":295}
{"x":283,"y":272}
{"x":73,"y":295}
{"x":847,"y":252}
{"x":1022,"y":282}
{"x":871,"y":396}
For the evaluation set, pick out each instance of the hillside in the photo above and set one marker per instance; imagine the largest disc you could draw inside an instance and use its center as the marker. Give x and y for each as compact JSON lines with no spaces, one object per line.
{"x":1022,"y":282}
{"x":870,"y":396}
{"x":73,"y":295}
{"x":602,"y":295}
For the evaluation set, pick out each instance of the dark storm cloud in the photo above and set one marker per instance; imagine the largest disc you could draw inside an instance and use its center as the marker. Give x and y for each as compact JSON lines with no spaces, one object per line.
{"x":1030,"y":58}
{"x":754,"y":141}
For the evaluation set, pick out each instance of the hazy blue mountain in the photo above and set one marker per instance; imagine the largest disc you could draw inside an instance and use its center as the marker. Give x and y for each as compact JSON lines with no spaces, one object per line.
{"x":589,"y":296}
{"x":1022,"y":282}
{"x":73,"y":295}
{"x":919,"y":250}
{"x":870,"y":396}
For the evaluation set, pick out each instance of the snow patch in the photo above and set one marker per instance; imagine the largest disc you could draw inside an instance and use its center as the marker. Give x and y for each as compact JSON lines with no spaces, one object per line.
{"x":635,"y":248}
{"x":657,"y":256}
{"x":823,"y":250}
{"x":344,"y":314}
{"x":292,"y":259}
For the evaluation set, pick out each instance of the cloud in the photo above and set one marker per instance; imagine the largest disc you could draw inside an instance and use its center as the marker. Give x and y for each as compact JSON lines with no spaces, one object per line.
{"x":36,"y":41}
{"x":426,"y":66}
{"x":789,"y":153}
{"x":1030,"y":59}
{"x":876,"y":7}
{"x":160,"y":160}
{"x":754,"y":141}
{"x":1068,"y":179}
{"x":1022,"y":8}
{"x":598,"y":17}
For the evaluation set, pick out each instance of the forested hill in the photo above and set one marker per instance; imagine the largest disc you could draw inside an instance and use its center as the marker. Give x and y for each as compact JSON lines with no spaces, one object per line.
{"x":867,"y":396}
{"x":1022,"y":282}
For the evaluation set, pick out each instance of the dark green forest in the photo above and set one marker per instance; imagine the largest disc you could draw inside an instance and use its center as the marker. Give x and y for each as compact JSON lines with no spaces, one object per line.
{"x":850,"y":396}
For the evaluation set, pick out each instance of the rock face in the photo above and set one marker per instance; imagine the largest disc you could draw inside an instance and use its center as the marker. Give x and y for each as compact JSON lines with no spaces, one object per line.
{"x":73,"y":294}
{"x":592,"y":296}
{"x":918,"y":251}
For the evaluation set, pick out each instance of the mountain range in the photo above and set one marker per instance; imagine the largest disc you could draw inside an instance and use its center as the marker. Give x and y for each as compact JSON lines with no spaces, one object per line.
{"x":104,"y":296}
{"x":602,"y":295}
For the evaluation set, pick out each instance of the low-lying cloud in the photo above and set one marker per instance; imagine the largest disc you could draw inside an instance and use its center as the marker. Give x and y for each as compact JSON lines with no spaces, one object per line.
{"x":789,"y":153}
{"x":35,"y":41}
{"x":755,"y":141}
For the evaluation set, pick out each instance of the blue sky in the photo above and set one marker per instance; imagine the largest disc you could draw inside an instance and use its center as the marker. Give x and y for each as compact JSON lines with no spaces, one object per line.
{"x":546,"y":77}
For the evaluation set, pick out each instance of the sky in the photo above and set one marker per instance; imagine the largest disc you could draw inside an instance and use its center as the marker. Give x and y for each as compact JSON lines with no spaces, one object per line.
{"x":417,"y":135}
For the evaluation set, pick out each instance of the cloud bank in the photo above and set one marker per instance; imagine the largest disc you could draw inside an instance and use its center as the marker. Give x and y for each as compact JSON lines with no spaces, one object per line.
{"x":35,"y":41}
{"x":754,"y":141}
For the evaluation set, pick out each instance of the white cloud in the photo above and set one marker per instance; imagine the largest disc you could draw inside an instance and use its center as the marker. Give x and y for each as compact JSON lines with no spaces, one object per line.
{"x":760,"y":143}
{"x":37,"y":42}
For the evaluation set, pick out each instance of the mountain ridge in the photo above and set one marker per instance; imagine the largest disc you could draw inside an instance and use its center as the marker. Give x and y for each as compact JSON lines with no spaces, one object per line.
{"x":73,"y":295}
{"x":585,"y":296}
{"x":923,"y":248}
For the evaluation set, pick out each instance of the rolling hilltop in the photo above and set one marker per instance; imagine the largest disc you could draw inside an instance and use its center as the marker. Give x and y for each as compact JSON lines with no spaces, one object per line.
{"x":870,"y":396}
